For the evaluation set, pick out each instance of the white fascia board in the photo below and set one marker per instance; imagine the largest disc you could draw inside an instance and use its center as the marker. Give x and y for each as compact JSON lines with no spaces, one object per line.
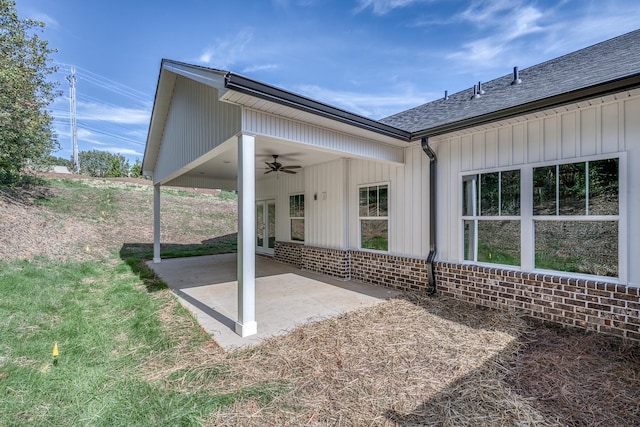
{"x":166,"y":82}
{"x":206,"y":76}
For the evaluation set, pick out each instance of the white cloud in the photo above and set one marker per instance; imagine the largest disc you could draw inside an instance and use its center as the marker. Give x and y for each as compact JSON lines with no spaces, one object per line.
{"x":503,"y":29}
{"x":507,"y":22}
{"x":487,"y":12}
{"x":262,"y":67}
{"x":382,"y":7}
{"x":365,"y":104}
{"x":123,"y":151}
{"x":106,"y":113}
{"x":224,"y":53}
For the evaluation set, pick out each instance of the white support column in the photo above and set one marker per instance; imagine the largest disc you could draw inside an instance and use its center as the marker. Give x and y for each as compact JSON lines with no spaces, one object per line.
{"x":246,"y":324}
{"x":156,"y":223}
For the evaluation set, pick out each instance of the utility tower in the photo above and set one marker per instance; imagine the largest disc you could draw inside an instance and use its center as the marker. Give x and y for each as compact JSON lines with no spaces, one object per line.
{"x":72,"y":115}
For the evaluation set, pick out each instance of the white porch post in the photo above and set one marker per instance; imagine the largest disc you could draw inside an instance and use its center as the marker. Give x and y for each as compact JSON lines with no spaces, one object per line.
{"x":246,"y":324}
{"x":156,"y":223}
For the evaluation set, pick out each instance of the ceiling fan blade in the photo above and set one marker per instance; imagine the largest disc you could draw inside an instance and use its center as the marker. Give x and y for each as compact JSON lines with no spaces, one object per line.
{"x":269,"y":171}
{"x":291,"y":167}
{"x":268,"y":164}
{"x":287,"y":171}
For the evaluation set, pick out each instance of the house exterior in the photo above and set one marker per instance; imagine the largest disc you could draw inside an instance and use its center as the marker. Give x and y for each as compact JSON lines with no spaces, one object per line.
{"x":520,"y":193}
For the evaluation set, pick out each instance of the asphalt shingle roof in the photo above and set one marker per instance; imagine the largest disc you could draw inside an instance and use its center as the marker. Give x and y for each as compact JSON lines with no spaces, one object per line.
{"x":601,"y":63}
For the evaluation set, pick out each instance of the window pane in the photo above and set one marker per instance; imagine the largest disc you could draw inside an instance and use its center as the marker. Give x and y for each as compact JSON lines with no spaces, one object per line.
{"x":603,"y":187}
{"x":510,"y":192}
{"x":469,"y":240}
{"x":364,"y":203}
{"x":589,"y":247}
{"x":373,"y":201}
{"x":374,"y":234}
{"x":544,"y":191}
{"x":489,"y":193}
{"x":499,"y":242}
{"x":296,"y":206}
{"x":297,"y":230}
{"x":469,"y":195}
{"x":383,"y":202}
{"x":259,"y":224}
{"x":572,"y":186}
{"x":271,"y":224}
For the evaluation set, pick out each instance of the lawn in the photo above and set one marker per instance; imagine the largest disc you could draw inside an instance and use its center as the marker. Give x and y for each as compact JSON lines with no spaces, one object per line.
{"x":72,"y":273}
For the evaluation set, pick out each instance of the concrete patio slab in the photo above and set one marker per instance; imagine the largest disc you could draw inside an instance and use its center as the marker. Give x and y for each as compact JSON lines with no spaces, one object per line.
{"x":286,"y":297}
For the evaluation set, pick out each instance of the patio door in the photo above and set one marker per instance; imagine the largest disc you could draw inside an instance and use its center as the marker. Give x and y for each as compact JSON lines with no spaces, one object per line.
{"x":265,"y":226}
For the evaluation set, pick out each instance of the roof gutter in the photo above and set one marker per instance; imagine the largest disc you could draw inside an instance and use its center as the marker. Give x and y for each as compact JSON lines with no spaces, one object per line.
{"x":613,"y":86}
{"x":271,"y":93}
{"x":433,"y":162}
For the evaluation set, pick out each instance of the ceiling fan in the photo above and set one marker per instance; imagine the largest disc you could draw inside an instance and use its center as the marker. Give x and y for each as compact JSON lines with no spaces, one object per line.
{"x":276,"y":166}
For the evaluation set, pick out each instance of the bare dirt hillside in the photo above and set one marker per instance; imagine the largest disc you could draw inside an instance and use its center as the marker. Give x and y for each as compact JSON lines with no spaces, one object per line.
{"x":43,"y":221}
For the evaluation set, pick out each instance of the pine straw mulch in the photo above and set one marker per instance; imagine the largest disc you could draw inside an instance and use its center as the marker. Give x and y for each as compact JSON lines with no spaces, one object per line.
{"x":417,"y":361}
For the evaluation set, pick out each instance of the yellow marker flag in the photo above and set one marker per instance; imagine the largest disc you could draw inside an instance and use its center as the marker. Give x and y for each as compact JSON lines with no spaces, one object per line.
{"x":55,"y":350}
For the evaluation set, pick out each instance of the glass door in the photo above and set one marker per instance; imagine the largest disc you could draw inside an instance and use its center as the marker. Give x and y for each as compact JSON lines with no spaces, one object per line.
{"x":265,"y":226}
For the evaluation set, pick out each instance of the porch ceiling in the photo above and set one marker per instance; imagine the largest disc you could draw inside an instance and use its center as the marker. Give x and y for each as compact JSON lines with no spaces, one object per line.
{"x":224,"y":167}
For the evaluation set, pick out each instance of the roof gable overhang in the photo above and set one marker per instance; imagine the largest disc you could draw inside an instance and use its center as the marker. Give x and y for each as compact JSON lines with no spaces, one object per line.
{"x":169,"y":71}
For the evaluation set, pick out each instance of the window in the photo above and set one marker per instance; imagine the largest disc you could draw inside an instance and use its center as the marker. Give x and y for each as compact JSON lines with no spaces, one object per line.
{"x":373,"y":215}
{"x":296,"y":216}
{"x":575,"y":216}
{"x":491,"y":217}
{"x":571,"y":221}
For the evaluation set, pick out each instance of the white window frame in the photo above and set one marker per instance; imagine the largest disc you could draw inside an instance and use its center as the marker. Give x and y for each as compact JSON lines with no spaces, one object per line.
{"x":476,"y":216}
{"x":527,"y":236}
{"x":375,"y":218}
{"x":291,"y":239}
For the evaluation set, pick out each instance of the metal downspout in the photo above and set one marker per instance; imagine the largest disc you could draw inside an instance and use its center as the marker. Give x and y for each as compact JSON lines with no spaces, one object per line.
{"x":432,"y":214}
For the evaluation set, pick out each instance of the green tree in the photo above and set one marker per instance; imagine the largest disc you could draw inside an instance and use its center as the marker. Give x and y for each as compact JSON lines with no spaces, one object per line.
{"x":26,"y":134}
{"x":103,"y":164}
{"x":119,"y":166}
{"x":136,"y":169}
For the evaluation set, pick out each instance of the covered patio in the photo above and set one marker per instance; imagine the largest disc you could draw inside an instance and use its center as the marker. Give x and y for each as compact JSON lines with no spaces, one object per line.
{"x":285,"y":296}
{"x":216,"y":129}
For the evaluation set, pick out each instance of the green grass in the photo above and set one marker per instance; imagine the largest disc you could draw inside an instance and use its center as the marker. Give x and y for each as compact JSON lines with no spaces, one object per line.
{"x":106,"y":327}
{"x":104,"y":318}
{"x":84,"y":201}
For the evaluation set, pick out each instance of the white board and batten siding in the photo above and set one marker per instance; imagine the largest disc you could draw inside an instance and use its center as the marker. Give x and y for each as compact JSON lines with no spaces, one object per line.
{"x":599,"y":127}
{"x":265,"y":124}
{"x":408,"y":201}
{"x":331,"y":202}
{"x":196,"y":123}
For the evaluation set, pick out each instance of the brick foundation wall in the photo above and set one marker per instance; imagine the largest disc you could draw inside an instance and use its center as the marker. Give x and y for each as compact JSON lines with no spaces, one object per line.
{"x":290,"y":253}
{"x":333,"y":262}
{"x":589,"y":304}
{"x":402,"y":273}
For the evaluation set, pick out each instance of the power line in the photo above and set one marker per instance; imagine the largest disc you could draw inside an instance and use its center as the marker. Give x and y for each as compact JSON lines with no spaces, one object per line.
{"x":113,"y":135}
{"x":111,"y":85}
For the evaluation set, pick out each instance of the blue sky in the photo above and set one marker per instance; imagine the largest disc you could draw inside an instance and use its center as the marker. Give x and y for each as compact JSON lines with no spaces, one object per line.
{"x":371,"y":57}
